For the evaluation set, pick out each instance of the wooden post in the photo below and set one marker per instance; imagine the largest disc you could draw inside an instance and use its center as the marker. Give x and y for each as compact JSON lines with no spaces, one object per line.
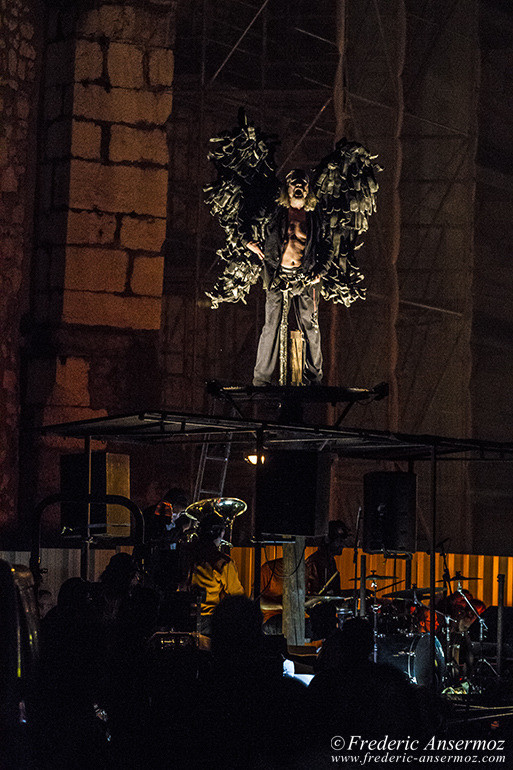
{"x":294,"y":591}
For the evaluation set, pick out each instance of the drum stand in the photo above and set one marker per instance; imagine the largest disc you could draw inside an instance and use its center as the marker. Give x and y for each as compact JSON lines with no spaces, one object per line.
{"x":375,"y":610}
{"x":481,"y":661}
{"x":355,"y":561}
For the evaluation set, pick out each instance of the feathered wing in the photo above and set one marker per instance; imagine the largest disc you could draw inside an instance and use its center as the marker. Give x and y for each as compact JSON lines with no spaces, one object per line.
{"x":345,"y":186}
{"x":245,"y":186}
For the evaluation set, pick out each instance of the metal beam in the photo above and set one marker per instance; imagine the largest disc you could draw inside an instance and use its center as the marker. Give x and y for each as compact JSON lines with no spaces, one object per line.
{"x":241,"y":38}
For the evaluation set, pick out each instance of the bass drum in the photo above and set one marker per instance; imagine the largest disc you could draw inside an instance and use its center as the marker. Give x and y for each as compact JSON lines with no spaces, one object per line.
{"x":410,"y":654}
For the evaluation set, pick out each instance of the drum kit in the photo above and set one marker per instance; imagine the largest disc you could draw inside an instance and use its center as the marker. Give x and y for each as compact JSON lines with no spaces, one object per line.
{"x":401,"y":622}
{"x":402,"y":626}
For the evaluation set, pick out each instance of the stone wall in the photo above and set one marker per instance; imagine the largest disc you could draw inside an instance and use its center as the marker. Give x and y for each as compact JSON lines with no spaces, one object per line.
{"x":101,"y":218}
{"x":107,"y":96}
{"x":20,"y":53}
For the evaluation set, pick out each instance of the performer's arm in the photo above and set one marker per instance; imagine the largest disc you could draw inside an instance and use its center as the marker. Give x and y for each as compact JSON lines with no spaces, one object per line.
{"x":255,"y":248}
{"x":312,"y":578}
{"x":230,"y":580}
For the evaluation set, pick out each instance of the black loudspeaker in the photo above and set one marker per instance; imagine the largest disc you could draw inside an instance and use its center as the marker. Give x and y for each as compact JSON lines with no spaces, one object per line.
{"x":110,"y":475}
{"x":293,"y":493}
{"x":389,"y":513}
{"x":490,"y":635}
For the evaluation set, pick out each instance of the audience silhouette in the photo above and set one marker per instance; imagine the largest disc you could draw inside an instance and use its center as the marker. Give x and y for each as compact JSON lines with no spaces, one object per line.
{"x":108,"y":696}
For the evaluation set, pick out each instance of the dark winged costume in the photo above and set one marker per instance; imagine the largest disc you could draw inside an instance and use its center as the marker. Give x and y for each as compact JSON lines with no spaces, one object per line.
{"x":245,"y":198}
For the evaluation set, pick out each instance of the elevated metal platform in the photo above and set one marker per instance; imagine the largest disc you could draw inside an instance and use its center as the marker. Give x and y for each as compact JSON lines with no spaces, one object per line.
{"x":169,"y":427}
{"x":153,"y":427}
{"x":289,"y":401}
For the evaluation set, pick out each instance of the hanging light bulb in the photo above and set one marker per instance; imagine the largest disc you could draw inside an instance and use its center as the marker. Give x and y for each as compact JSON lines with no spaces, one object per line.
{"x":253,"y":459}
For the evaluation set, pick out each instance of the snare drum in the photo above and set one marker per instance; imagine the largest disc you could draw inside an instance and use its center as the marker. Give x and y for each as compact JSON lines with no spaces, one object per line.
{"x":410,"y":654}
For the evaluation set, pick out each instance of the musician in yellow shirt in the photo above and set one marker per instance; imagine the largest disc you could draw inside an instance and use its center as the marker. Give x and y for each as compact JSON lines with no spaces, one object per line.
{"x":212,"y":570}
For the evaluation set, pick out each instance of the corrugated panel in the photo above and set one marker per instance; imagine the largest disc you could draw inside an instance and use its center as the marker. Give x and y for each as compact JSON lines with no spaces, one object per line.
{"x":65,"y":563}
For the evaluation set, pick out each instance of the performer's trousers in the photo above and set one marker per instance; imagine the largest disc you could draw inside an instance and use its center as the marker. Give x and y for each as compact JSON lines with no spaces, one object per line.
{"x":306,"y":305}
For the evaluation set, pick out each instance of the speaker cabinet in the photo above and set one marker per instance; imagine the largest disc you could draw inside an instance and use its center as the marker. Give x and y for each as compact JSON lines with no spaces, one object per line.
{"x":490,"y":618}
{"x":110,"y":475}
{"x":390,"y":502}
{"x":293,"y":493}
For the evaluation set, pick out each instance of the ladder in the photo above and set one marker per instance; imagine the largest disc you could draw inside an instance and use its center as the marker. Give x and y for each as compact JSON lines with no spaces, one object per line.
{"x":213,"y":465}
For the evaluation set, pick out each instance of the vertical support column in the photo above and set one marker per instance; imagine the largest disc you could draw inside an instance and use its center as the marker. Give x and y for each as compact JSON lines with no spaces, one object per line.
{"x":85,"y":547}
{"x":258,"y":535}
{"x":340,"y":109}
{"x":363,"y":593}
{"x":432,"y":567}
{"x":500,"y":622}
{"x":294,"y":591}
{"x":407,"y":571}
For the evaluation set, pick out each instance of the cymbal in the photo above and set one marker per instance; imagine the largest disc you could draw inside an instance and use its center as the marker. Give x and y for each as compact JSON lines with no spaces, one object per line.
{"x":326,"y":598}
{"x":459,"y":577}
{"x":345,"y":595}
{"x":411,"y":593}
{"x":372,"y":576}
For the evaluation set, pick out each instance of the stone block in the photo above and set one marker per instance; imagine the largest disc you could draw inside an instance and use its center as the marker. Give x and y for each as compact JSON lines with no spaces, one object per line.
{"x":118,"y":188}
{"x":12,"y":62}
{"x":88,"y":60}
{"x":27,"y":50}
{"x":3,"y":151}
{"x":22,"y":107}
{"x":94,"y":309}
{"x":8,"y":180}
{"x":9,"y":381}
{"x":53,"y":415}
{"x":125,"y":66}
{"x":143,"y":234}
{"x":147,"y":276}
{"x":116,"y":22}
{"x":161,"y":67}
{"x":86,"y":140}
{"x":122,"y":105}
{"x":132,"y":144}
{"x":125,"y":22}
{"x":71,"y":383}
{"x":27,"y":30}
{"x":95,"y":270}
{"x":90,"y":227}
